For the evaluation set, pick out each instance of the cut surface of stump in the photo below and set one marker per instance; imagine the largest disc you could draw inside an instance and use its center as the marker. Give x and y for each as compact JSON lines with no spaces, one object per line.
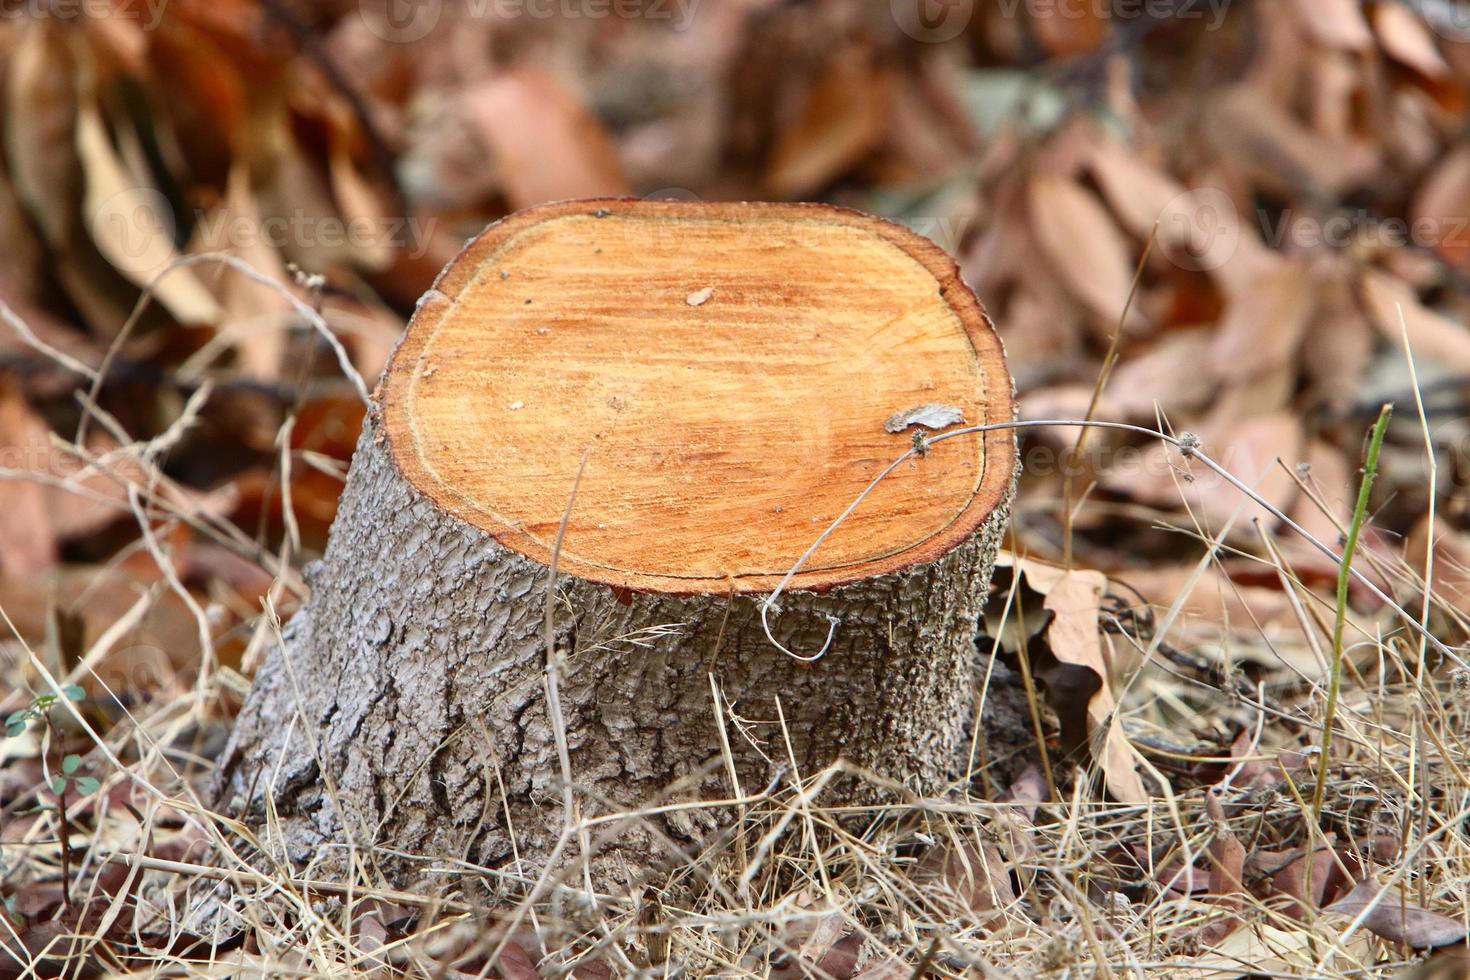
{"x":718,"y":382}
{"x":732,"y":369}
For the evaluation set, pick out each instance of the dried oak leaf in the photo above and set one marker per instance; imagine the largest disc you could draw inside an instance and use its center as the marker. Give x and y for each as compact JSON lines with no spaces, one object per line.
{"x":1394,"y":918}
{"x":1079,"y":682}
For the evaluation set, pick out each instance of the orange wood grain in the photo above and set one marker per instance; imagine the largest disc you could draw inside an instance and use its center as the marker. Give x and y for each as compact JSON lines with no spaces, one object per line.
{"x":730,"y":367}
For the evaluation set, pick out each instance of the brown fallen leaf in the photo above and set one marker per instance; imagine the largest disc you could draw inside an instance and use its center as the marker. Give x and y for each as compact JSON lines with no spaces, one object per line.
{"x":1084,"y":247}
{"x":1330,"y":475}
{"x":547,"y":145}
{"x":27,"y":538}
{"x":1264,"y":324}
{"x":255,"y":317}
{"x":48,"y":949}
{"x":1214,"y":606}
{"x":363,"y":206}
{"x":133,"y":224}
{"x":1075,"y":598}
{"x":887,"y":967}
{"x":1405,"y":38}
{"x":1049,"y":322}
{"x":1328,"y":879}
{"x":1028,"y":791}
{"x":1279,"y":152}
{"x":1451,"y":583}
{"x":1227,"y":864}
{"x":1442,"y":197}
{"x":1065,"y":30}
{"x":842,"y":117}
{"x":1336,"y":23}
{"x":515,"y":963}
{"x":1136,"y":191}
{"x":1388,"y":914}
{"x":39,"y":120}
{"x":1338,"y":345}
{"x":1247,"y":446}
{"x":973,"y":875}
{"x":1433,"y":338}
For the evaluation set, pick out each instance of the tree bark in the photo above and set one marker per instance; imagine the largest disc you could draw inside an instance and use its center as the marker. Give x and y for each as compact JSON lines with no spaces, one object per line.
{"x":407,"y":707}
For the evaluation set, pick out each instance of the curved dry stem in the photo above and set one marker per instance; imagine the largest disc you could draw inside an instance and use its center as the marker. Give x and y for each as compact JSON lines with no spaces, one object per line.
{"x":1188,"y":446}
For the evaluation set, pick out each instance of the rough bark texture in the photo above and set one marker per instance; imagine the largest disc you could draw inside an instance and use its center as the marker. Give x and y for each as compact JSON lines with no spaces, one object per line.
{"x":406,"y":707}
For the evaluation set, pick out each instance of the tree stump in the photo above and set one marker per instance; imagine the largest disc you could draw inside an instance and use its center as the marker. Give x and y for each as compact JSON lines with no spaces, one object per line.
{"x":730,"y":374}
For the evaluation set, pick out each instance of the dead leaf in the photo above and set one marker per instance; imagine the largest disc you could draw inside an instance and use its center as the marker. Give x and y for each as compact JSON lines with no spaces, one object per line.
{"x":1028,"y":791}
{"x":1084,"y":247}
{"x":372,"y":234}
{"x":1391,"y":916}
{"x":1264,"y":949}
{"x":1213,"y":606}
{"x":886,"y":967}
{"x":841,"y":119}
{"x":546,"y":144}
{"x":829,"y":929}
{"x":1247,"y":447}
{"x":1227,"y":864}
{"x":1327,"y":880}
{"x":1338,"y":346}
{"x":1138,"y":193}
{"x":1407,"y":40}
{"x":1330,"y":475}
{"x":133,"y":224}
{"x":972,"y":875}
{"x":1264,"y":324}
{"x":1075,"y":599}
{"x":1278,"y":152}
{"x":1451,"y":561}
{"x":1433,"y":338}
{"x":1444,"y":195}
{"x":1335,"y":23}
{"x":1166,"y":374}
{"x":27,"y":539}
{"x":255,"y":317}
{"x":1067,"y":29}
{"x":39,"y":121}
{"x":1335,"y":90}
{"x":1047,"y":320}
{"x":516,"y":964}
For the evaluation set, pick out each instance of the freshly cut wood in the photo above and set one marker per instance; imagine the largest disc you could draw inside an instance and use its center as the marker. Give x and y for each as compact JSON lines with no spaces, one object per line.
{"x":717,"y":383}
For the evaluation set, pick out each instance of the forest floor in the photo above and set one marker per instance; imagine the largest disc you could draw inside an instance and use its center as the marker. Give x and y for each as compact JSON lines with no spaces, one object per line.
{"x":1245,"y":221}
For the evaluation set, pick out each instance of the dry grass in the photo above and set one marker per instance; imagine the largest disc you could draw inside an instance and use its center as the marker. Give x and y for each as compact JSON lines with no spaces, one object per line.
{"x":1225,"y":872}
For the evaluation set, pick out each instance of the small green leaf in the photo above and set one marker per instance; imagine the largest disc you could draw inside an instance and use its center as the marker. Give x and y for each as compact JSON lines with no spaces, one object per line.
{"x":75,"y":692}
{"x":15,"y":730}
{"x":71,"y":764}
{"x":86,"y":785}
{"x":16,"y":717}
{"x":58,"y":785}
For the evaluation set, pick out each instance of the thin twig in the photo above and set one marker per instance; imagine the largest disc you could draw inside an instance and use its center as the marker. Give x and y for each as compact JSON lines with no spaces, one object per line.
{"x":1188,"y":446}
{"x":31,"y":340}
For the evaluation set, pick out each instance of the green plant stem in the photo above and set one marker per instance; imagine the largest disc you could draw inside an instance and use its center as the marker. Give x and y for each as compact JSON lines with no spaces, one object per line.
{"x":1344,"y":573}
